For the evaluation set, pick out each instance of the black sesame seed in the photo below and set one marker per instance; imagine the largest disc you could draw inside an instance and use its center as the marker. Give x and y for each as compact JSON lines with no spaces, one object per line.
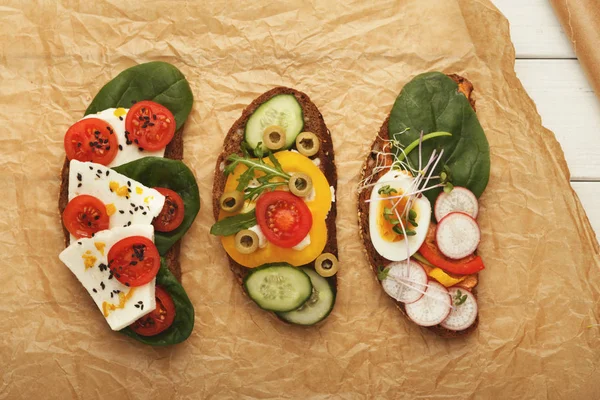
{"x":135,"y":209}
{"x":79,"y":177}
{"x":129,"y":183}
{"x":120,"y":147}
{"x":94,"y":290}
{"x":136,"y":141}
{"x":122,"y":212}
{"x":111,"y":295}
{"x":99,"y":171}
{"x":79,"y":243}
{"x":140,"y":148}
{"x":98,"y":176}
{"x":107,"y":171}
{"x":128,"y":142}
{"x":142,"y":306}
{"x":91,"y":168}
{"x":89,"y":223}
{"x":144,"y":213}
{"x":97,"y":217}
{"x":154,"y":117}
{"x":133,"y":263}
{"x":121,"y":118}
{"x":127,"y":284}
{"x":132,"y":204}
{"x":107,"y":148}
{"x":129,"y":223}
{"x":79,"y":185}
{"x":136,"y":305}
{"x":130,"y":212}
{"x":102,"y":285}
{"x":128,"y":190}
{"x":150,"y":124}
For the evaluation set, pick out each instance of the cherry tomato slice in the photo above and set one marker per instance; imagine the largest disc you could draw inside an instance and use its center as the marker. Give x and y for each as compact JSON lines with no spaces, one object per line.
{"x":158,"y":320}
{"x":172,"y":213}
{"x":91,"y":139}
{"x":134,"y":261}
{"x":149,"y":125}
{"x":284,"y":218}
{"x":465,"y":266}
{"x":84,"y":216}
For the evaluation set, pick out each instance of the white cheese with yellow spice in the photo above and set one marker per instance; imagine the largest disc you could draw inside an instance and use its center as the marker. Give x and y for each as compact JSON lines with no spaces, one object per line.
{"x":87,"y":258}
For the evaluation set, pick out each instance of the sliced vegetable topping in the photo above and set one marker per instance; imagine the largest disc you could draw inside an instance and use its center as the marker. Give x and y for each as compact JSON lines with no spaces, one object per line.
{"x":246,"y":241}
{"x":300,"y":184}
{"x":232,"y":225}
{"x":459,"y":199}
{"x":158,"y":320}
{"x":278,"y":287}
{"x":149,"y":125}
{"x":307,"y":144}
{"x":457,"y":235}
{"x":232,"y":201}
{"x":282,"y":110}
{"x":274,"y":137}
{"x":465,"y":266}
{"x":172,"y":213}
{"x":91,"y":139}
{"x":327,"y":265}
{"x":134,"y":261}
{"x":284,"y":218}
{"x":432,"y":308}
{"x":317,"y":307}
{"x":464,"y":310}
{"x":85,"y":215}
{"x":404,"y":282}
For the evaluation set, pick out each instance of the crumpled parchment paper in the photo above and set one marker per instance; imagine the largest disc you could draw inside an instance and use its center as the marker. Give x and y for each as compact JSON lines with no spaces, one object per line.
{"x":537,"y":295}
{"x":581,"y":21}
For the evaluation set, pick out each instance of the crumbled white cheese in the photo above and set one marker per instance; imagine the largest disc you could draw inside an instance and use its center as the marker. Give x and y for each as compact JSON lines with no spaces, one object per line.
{"x":331,"y":188}
{"x":316,"y":161}
{"x":303,"y":244}
{"x":262,"y":239}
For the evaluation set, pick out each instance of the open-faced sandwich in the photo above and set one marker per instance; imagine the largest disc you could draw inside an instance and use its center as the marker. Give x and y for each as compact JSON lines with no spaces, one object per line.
{"x":274,"y":202}
{"x":418,"y":201}
{"x":126,"y":199}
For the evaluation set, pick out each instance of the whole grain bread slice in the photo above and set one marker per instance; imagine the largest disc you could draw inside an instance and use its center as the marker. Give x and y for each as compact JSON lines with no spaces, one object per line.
{"x":174,"y":150}
{"x":313,"y":122}
{"x":374,"y":258}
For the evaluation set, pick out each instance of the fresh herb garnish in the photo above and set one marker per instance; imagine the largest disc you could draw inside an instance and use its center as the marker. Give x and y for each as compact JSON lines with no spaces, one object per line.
{"x":387,"y":189}
{"x":263,"y":183}
{"x":398,"y":229}
{"x":459,"y":298}
{"x":232,"y":225}
{"x":382,"y":272}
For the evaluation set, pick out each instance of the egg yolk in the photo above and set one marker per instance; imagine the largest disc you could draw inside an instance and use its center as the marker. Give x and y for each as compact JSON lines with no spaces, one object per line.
{"x":387,"y":218}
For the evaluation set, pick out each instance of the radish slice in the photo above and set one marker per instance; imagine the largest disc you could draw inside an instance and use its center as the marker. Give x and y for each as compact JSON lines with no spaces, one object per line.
{"x":459,"y":199}
{"x":405,"y":282}
{"x":462,"y":316}
{"x":457,"y":235}
{"x":432,"y":308}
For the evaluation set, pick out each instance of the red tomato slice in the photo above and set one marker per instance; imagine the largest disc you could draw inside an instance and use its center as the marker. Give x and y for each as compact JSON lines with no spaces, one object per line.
{"x":91,"y":139}
{"x":134,"y":261}
{"x":284,"y":218}
{"x":465,"y":266}
{"x":149,"y":125}
{"x":84,"y":216}
{"x":158,"y":320}
{"x":172,"y":213}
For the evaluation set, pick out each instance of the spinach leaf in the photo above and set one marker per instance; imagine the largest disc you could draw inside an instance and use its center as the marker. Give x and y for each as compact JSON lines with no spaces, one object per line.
{"x":430,"y":103}
{"x":157,"y":81}
{"x":232,"y":225}
{"x":183,"y":324}
{"x":171,"y":174}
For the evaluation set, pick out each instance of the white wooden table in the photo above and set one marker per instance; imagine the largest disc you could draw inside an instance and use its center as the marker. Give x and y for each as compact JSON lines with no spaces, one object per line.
{"x":551,"y":74}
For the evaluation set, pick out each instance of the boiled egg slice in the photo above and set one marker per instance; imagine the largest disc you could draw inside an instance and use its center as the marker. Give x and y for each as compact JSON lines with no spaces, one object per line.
{"x":385,"y":207}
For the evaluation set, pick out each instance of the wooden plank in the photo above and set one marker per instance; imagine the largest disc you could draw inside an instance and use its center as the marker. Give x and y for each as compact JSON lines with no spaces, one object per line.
{"x":534,"y":29}
{"x":569,"y":108}
{"x":589,"y":193}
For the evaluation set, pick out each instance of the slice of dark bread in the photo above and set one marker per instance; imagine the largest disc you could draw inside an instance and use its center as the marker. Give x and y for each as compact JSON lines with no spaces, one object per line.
{"x":374,"y":258}
{"x":174,"y":150}
{"x":313,"y":122}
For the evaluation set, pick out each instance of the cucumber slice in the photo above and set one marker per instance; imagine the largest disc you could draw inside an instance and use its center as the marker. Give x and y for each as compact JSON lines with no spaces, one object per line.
{"x":318,"y":307}
{"x":282,"y":110}
{"x":278,"y":287}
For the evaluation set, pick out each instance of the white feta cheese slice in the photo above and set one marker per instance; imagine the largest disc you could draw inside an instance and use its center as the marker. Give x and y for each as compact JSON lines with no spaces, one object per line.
{"x":87,"y":258}
{"x":262,"y":239}
{"x":127,"y":202}
{"x":303,"y":244}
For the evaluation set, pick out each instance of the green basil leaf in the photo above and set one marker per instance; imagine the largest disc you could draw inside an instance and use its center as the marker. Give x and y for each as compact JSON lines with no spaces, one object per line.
{"x":157,"y":81}
{"x":232,"y":225}
{"x":183,"y":324}
{"x":171,"y":174}
{"x":430,"y":103}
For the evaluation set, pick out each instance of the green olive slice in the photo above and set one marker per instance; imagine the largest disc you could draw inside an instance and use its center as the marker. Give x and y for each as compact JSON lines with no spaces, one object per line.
{"x":246,"y":241}
{"x":274,"y":137}
{"x":300,"y":184}
{"x":232,"y":201}
{"x":326,"y":265}
{"x":307,"y":144}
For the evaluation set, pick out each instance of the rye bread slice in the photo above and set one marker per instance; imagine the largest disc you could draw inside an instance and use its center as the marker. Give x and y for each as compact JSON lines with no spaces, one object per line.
{"x":313,"y":122}
{"x":374,"y":258}
{"x":174,"y":150}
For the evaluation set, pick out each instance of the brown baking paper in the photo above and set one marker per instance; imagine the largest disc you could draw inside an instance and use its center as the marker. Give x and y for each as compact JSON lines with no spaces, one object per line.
{"x":581,"y":21}
{"x":538,"y":293}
